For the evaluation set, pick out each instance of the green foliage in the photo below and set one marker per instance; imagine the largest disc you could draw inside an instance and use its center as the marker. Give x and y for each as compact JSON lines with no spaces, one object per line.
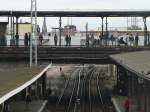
{"x":134,"y":27}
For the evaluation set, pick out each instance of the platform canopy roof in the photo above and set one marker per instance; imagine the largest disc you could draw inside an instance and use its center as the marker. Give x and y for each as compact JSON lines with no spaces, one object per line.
{"x":136,"y":62}
{"x":14,"y":81}
{"x":78,"y":13}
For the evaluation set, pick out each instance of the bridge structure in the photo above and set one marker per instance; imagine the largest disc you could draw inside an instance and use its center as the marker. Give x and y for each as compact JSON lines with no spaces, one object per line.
{"x":78,"y":54}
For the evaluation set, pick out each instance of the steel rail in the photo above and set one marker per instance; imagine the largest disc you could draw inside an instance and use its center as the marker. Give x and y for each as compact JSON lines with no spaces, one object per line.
{"x":72,"y":93}
{"x":66,"y":85}
{"x":99,"y":90}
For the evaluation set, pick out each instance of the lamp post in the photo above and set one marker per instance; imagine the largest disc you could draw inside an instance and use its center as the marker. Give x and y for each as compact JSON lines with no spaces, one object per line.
{"x":140,"y":84}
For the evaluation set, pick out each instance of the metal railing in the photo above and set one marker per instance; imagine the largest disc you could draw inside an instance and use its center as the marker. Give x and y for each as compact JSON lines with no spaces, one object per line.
{"x":48,"y":43}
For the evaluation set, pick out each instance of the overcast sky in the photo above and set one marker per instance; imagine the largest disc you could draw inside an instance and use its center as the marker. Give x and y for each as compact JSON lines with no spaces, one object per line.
{"x":94,"y":23}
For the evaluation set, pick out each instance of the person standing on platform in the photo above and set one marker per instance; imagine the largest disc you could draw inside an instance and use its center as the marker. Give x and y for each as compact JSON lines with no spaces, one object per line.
{"x":41,"y":39}
{"x":49,"y":35}
{"x":62,"y":74}
{"x":26,"y":39}
{"x":92,"y":39}
{"x":17,"y":39}
{"x":69,"y":40}
{"x":29,"y":37}
{"x":136,"y":40}
{"x":55,"y":39}
{"x":131,"y":39}
{"x":126,"y":104}
{"x":87,"y":40}
{"x":100,"y":40}
{"x":112,"y":39}
{"x":66,"y":39}
{"x":28,"y":101}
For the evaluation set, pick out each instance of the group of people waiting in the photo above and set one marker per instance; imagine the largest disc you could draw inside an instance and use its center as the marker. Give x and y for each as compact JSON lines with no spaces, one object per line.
{"x":129,"y":40}
{"x":67,"y":39}
{"x":27,"y":39}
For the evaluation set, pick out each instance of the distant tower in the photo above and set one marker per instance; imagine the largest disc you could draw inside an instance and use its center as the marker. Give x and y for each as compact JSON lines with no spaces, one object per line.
{"x":33,"y":32}
{"x":44,"y":27}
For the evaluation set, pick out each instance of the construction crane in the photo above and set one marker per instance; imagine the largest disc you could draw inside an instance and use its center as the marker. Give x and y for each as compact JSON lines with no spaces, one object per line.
{"x":133,"y":21}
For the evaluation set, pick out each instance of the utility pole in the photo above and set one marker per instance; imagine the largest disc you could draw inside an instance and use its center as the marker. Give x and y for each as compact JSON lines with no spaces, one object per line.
{"x":33,"y":33}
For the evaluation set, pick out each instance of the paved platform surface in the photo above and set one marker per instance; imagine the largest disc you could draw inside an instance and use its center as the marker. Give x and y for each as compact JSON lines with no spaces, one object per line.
{"x":35,"y":106}
{"x":10,"y":80}
{"x":118,"y":103}
{"x":14,"y":81}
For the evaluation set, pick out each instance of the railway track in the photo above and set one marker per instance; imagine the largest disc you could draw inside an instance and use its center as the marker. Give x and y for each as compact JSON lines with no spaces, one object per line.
{"x":65,"y":87}
{"x":82,"y":92}
{"x":72,"y":84}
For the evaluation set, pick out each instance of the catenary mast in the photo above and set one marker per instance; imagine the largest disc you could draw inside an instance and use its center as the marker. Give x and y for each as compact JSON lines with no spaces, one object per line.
{"x":33,"y":36}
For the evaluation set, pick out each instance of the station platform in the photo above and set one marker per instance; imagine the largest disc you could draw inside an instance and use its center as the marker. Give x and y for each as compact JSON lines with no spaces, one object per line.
{"x":135,"y":66}
{"x":15,"y":80}
{"x":136,"y":62}
{"x":34,"y":106}
{"x":118,"y":104}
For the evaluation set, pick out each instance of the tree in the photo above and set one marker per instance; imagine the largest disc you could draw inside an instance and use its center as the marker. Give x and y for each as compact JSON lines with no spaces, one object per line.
{"x":134,"y":27}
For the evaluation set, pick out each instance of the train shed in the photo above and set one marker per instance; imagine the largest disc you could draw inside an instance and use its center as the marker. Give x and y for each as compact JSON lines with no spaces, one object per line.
{"x":133,"y":80}
{"x":22,"y":81}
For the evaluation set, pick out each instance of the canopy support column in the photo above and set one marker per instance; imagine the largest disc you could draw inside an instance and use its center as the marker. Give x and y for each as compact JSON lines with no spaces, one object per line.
{"x":13,"y":30}
{"x":145,"y":31}
{"x":17,"y":24}
{"x":102,"y":26}
{"x":60,"y":23}
{"x":106,"y":31}
{"x":44,"y":85}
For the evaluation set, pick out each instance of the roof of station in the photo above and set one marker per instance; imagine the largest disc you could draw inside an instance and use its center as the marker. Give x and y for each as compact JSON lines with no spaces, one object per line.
{"x":14,"y":81}
{"x":136,"y":62}
{"x":80,"y":13}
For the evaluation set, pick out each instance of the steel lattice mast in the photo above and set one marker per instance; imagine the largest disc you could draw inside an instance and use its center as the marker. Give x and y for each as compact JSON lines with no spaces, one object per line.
{"x":33,"y":44}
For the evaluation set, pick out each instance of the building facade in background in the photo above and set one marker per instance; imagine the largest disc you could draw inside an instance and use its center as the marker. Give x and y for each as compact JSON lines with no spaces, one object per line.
{"x":24,"y":28}
{"x":70,"y":30}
